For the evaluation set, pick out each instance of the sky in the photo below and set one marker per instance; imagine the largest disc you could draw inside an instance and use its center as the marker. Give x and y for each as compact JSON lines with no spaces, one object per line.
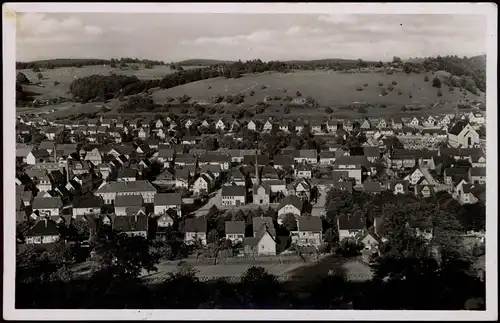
{"x":174,"y":37}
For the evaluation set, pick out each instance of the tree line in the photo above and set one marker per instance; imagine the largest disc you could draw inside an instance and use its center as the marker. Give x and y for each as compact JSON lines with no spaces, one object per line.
{"x":76,"y":62}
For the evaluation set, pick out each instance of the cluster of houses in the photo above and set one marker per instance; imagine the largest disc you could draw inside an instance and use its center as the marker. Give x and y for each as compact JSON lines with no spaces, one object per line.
{"x":60,"y":184}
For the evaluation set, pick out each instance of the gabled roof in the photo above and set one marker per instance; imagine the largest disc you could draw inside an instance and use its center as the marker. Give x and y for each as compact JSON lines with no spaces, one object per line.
{"x":233,"y":191}
{"x":309,"y":223}
{"x":214,"y":157}
{"x":306,"y":153}
{"x":352,"y":160}
{"x":284,"y":160}
{"x":135,"y":186}
{"x":214,"y":169}
{"x":291,"y":200}
{"x":127,"y":172}
{"x":196,"y":225}
{"x":259,"y":222}
{"x":392,"y":184}
{"x":261,"y":159}
{"x":478,"y":171}
{"x":44,"y":227}
{"x":371,"y":151}
{"x":458,"y":127}
{"x":47,"y":203}
{"x":351,"y":222}
{"x":373,"y":187}
{"x":132,"y":223}
{"x":168,"y":199}
{"x":343,"y":185}
{"x":235,"y":227}
{"x":87,"y":202}
{"x":128,"y":200}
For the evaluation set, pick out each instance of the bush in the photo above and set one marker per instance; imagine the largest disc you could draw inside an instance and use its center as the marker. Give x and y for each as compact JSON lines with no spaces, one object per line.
{"x":383,"y":92}
{"x":285,"y":90}
{"x":436,"y":82}
{"x":286,"y":110}
{"x":35,"y":69}
{"x":365,"y":85}
{"x":328,"y":110}
{"x":252,"y":93}
{"x":359,"y":88}
{"x":403,"y":108}
{"x":426,"y":78}
{"x":439,"y":93}
{"x":390,"y":87}
{"x":399,"y":92}
{"x":362,"y":110}
{"x":394,"y":82}
{"x":380,"y":84}
{"x":263,"y":87}
{"x":169,"y":99}
{"x":298,"y":93}
{"x":56,"y":83}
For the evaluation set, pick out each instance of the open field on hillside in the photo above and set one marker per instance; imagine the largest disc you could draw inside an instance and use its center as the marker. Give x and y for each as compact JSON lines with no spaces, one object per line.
{"x":327,"y":88}
{"x":66,"y":75}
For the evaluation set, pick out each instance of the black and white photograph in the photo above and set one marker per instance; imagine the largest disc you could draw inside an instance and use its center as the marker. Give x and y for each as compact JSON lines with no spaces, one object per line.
{"x":213,"y":158}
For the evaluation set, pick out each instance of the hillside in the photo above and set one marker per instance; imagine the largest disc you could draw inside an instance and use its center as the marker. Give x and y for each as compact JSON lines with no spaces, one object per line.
{"x":203,"y":62}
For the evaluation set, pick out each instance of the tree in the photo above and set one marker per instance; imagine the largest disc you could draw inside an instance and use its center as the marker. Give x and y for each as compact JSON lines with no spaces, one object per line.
{"x":235,"y":74}
{"x":260,"y":288}
{"x":213,"y":236}
{"x":39,"y":76}
{"x":299,"y":94}
{"x":328,"y":110}
{"x":35,"y":69}
{"x":125,"y":256}
{"x":436,"y":82}
{"x":289,"y":222}
{"x":426,"y":78}
{"x":22,"y":79}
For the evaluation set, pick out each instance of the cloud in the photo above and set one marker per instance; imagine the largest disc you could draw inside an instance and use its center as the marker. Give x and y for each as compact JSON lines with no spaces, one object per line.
{"x":93,"y":30}
{"x":298,"y":30}
{"x":338,"y":19}
{"x":255,"y":37}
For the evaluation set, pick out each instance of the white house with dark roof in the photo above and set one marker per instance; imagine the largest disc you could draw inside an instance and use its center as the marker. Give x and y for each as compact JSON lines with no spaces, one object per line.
{"x":83,"y":205}
{"x":462,"y":135}
{"x":309,"y":156}
{"x":203,"y":184}
{"x":261,"y":194}
{"x":109,"y":191}
{"x":44,"y":231}
{"x":168,"y":201}
{"x":233,"y":195}
{"x":262,"y":244}
{"x":398,"y":186}
{"x":123,"y":202}
{"x":132,"y":224}
{"x":477,"y":175}
{"x":303,"y":171}
{"x":252,"y":125}
{"x":349,"y":226}
{"x":290,"y":204}
{"x":235,"y":231}
{"x":309,"y":231}
{"x":195,"y":230}
{"x":47,"y":206}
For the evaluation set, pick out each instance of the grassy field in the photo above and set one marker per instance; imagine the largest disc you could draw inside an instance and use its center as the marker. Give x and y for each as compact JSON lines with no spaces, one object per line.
{"x":66,"y":75}
{"x":328,"y":88}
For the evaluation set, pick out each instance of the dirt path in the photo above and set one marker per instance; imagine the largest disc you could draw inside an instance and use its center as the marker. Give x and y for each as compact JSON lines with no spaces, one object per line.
{"x":248,"y":88}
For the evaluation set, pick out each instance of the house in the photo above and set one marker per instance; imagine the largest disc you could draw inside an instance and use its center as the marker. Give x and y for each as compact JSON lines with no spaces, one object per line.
{"x":365,"y":124}
{"x":165,"y":155}
{"x":418,"y":173}
{"x":327,"y":157}
{"x":306,"y":156}
{"x":188,"y":123}
{"x":277,"y":186}
{"x":213,"y":158}
{"x":350,"y":226}
{"x":235,"y":125}
{"x":204,"y":124}
{"x":185,"y":159}
{"x":261,"y":194}
{"x":44,"y":231}
{"x":203,"y":184}
{"x":283,"y":161}
{"x":478,"y":160}
{"x":238,"y":155}
{"x":109,"y":191}
{"x":414,"y":123}
{"x":252,"y":125}
{"x":83,"y":205}
{"x":263,"y":244}
{"x":195,"y":230}
{"x":284,"y":126}
{"x":316,"y":126}
{"x":429,"y":122}
{"x":371,"y":153}
{"x":47,"y":206}
{"x":233,"y":195}
{"x":41,"y":179}
{"x":127,"y":175}
{"x":397,"y":123}
{"x":268,"y":126}
{"x":94,"y":156}
{"x":371,"y":240}
{"x":22,"y":153}
{"x":477,"y":175}
{"x":331,"y":126}
{"x":168,"y":201}
{"x":235,"y":231}
{"x":124,"y":202}
{"x":398,"y":186}
{"x":134,"y":225}
{"x":477,"y":118}
{"x":382,"y":124}
{"x":165,"y":220}
{"x":290,"y":204}
{"x":462,"y":135}
{"x":143,"y":133}
{"x":214,"y":170}
{"x":220,"y":125}
{"x":424,"y":190}
{"x":158,"y":124}
{"x":37,"y":156}
{"x":373,"y":187}
{"x":251,"y":159}
{"x":303,"y":171}
{"x":269,"y":173}
{"x":299,"y":125}
{"x":309,"y":231}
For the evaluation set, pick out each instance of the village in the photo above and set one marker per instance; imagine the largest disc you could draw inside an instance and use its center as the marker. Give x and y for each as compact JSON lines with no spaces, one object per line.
{"x":81,"y":173}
